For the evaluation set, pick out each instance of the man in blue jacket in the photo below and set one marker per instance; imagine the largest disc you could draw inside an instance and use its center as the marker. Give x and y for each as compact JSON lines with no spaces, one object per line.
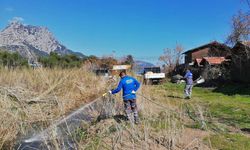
{"x":189,"y":84}
{"x":129,"y":85}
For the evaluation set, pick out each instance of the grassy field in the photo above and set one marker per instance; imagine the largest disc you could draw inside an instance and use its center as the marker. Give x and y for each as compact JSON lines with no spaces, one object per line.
{"x":233,"y":110}
{"x":223,"y":111}
{"x":170,"y":122}
{"x":210,"y":120}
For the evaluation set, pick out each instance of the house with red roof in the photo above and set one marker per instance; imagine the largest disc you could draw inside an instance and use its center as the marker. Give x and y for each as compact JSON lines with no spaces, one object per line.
{"x":212,"y":49}
{"x":212,"y":61}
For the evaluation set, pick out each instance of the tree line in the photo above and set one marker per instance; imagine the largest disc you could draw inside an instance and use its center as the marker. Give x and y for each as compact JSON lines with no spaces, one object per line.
{"x":54,"y":60}
{"x":12,"y":60}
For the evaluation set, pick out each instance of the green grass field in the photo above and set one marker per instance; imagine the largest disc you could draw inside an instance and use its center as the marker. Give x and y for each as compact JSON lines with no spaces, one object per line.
{"x":226,"y":111}
{"x":233,"y":110}
{"x":229,"y":141}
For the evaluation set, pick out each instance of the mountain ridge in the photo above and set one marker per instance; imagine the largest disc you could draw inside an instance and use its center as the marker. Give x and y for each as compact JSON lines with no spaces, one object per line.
{"x":31,"y":41}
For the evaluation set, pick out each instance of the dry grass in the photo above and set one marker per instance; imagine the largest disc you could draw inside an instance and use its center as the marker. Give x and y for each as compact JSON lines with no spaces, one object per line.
{"x":34,"y":98}
{"x":29,"y":97}
{"x":160,"y":128}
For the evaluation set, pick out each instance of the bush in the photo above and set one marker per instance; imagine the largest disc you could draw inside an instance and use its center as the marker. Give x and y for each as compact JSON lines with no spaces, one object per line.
{"x":12,"y":60}
{"x":55,"y":60}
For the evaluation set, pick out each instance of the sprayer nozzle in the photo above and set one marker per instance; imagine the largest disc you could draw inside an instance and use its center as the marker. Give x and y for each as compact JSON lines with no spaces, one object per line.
{"x":28,"y":140}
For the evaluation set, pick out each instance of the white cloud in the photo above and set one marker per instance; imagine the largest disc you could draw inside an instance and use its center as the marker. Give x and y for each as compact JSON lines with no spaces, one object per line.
{"x":9,"y":9}
{"x":16,"y":19}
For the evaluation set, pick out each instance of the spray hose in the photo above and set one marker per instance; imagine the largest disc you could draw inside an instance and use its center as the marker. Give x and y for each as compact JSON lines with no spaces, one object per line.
{"x":149,"y":100}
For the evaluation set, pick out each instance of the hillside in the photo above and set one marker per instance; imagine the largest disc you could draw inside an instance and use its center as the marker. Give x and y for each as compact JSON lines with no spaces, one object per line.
{"x":31,"y":41}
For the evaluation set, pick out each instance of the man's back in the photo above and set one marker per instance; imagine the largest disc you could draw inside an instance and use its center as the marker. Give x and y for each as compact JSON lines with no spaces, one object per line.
{"x":128,"y":84}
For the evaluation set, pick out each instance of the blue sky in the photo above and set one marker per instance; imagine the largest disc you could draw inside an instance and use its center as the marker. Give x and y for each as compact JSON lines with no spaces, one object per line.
{"x":142,"y":28}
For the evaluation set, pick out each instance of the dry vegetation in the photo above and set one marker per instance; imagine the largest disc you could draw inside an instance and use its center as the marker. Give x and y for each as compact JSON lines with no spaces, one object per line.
{"x":32,"y":99}
{"x":162,"y":127}
{"x":36,"y":97}
{"x":169,"y":122}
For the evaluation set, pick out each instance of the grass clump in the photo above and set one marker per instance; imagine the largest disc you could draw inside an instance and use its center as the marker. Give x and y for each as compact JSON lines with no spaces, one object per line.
{"x":229,"y":142}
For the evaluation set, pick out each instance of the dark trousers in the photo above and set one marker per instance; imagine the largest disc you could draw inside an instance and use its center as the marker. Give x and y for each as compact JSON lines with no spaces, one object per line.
{"x":131,"y":109}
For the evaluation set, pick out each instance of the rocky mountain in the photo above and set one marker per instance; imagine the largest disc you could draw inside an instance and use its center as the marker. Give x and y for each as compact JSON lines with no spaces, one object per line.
{"x":31,"y":41}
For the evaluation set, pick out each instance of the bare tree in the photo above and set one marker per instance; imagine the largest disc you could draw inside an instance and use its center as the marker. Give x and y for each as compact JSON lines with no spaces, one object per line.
{"x":171,"y":57}
{"x":108,"y":62}
{"x":246,"y":1}
{"x":240,"y":28}
{"x":240,"y":54}
{"x":178,"y":49}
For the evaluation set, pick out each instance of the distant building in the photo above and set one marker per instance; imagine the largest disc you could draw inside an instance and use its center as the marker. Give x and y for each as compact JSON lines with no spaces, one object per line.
{"x":102,"y":72}
{"x":213,"y":49}
{"x":118,"y":68}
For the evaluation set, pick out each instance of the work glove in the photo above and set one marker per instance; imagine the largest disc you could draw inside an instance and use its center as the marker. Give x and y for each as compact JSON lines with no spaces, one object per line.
{"x":109,"y":92}
{"x":133,"y":92}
